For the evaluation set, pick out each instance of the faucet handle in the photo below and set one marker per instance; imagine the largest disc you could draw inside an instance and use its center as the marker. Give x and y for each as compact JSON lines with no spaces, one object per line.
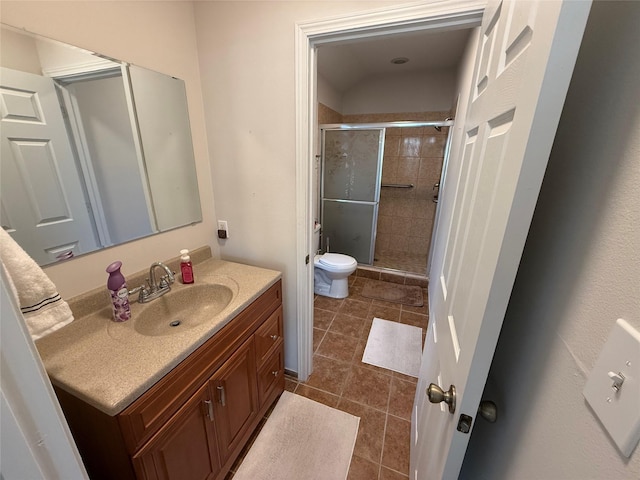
{"x":143,"y":291}
{"x":165,"y":281}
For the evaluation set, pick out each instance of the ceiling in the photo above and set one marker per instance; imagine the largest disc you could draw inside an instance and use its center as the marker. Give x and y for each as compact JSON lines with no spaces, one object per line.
{"x":345,"y":64}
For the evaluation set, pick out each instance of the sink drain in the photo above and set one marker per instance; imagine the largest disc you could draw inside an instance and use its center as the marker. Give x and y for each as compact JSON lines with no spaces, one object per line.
{"x":175,"y":323}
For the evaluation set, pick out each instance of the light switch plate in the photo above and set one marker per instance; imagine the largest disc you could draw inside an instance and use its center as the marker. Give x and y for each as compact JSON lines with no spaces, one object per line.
{"x":618,"y":410}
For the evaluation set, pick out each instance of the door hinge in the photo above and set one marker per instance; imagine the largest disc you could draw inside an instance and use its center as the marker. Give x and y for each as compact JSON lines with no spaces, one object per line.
{"x":306,"y":260}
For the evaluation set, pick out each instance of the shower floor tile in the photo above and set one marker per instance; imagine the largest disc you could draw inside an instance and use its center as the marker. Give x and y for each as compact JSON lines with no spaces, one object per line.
{"x":407,"y":262}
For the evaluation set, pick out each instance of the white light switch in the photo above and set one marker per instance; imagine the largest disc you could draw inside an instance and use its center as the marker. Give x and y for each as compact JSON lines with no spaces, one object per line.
{"x":613,"y":386}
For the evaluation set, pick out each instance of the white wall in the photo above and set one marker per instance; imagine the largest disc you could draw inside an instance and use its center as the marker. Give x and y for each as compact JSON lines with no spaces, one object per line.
{"x":579,"y":273}
{"x":410,"y":92}
{"x":156,"y":35}
{"x":247,"y":63}
{"x":19,"y":52}
{"x":328,"y":95}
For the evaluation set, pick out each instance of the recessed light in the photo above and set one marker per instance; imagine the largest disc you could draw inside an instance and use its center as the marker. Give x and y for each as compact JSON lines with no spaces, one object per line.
{"x":399,"y":60}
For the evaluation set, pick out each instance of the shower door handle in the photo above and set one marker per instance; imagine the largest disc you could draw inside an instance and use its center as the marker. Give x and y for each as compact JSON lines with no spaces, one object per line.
{"x":435,"y":197}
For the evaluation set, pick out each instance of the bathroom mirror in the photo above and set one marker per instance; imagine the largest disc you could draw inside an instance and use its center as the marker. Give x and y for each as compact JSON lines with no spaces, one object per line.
{"x":95,"y":151}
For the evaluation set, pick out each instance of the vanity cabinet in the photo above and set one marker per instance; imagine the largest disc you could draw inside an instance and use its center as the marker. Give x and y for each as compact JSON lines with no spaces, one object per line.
{"x":234,"y":392}
{"x":186,"y":447}
{"x":194,"y":422}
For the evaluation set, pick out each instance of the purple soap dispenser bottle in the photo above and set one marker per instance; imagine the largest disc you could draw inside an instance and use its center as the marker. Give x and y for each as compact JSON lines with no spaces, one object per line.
{"x":119,"y":293}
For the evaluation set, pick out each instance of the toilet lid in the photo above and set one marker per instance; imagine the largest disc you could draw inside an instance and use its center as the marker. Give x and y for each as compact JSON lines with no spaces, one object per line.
{"x":336,"y":260}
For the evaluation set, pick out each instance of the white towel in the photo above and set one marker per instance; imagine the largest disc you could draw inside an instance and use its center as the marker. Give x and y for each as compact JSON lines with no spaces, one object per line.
{"x":43,"y":308}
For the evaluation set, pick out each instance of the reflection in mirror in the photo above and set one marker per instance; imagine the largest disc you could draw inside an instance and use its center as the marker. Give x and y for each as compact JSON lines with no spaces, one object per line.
{"x":95,"y":152}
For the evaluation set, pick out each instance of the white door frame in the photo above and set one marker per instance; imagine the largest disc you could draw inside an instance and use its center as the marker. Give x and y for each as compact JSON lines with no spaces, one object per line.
{"x":308,"y":35}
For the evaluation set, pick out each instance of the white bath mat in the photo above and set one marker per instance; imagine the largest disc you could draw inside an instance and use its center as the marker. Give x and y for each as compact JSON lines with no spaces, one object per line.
{"x":302,"y":439}
{"x":394,"y":346}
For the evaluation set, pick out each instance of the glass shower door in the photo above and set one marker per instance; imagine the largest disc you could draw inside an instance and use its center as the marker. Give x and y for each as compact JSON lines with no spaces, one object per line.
{"x":351,"y":171}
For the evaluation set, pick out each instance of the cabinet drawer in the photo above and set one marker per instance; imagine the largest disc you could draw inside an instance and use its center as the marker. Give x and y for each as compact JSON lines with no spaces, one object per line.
{"x":268,"y":336}
{"x":271,"y":375}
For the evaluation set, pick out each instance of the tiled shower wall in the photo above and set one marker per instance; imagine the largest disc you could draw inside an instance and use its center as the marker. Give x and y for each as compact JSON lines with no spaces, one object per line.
{"x":412,"y":155}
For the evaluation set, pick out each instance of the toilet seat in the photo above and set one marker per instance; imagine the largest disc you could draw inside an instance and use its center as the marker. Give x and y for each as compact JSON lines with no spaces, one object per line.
{"x":337,"y":260}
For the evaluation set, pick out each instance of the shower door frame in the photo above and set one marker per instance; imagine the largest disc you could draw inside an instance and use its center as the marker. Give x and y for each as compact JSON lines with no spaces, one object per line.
{"x":376,"y":203}
{"x":384,"y":126}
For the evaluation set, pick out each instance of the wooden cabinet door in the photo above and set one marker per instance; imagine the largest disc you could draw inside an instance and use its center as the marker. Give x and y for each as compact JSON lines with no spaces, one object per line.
{"x":186,"y":447}
{"x":234,"y":387}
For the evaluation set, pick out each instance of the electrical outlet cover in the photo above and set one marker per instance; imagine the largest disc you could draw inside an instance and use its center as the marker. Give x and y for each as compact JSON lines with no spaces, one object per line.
{"x":618,"y":408}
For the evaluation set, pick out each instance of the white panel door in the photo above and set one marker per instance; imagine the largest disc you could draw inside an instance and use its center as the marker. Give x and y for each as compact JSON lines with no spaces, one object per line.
{"x":43,"y":203}
{"x":523,"y":68}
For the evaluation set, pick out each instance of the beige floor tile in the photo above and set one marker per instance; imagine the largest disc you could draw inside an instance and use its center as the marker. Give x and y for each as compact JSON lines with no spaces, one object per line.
{"x":368,"y":387}
{"x":388,"y":474}
{"x":319,"y":396}
{"x":397,"y":440}
{"x":347,"y":325}
{"x":338,"y":347}
{"x":386,"y":313}
{"x":401,"y":398}
{"x":327,"y":303}
{"x":290,"y":385}
{"x":328,"y":374}
{"x":370,"y":430}
{"x":355,"y":308}
{"x":424,"y":309}
{"x":415,"y":319}
{"x":322,"y":318}
{"x":318,"y":335}
{"x":382,"y":303}
{"x":363,"y":469}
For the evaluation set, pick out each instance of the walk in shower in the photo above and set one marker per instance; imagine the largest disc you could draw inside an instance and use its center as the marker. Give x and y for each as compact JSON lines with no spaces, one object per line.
{"x":379,"y":188}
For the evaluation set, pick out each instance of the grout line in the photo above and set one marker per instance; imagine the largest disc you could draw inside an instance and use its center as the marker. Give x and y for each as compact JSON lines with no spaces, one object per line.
{"x":352,"y":364}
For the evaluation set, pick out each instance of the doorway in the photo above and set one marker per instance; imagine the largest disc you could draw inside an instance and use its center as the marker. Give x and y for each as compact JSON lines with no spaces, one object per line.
{"x":309,"y":36}
{"x":396,"y":81}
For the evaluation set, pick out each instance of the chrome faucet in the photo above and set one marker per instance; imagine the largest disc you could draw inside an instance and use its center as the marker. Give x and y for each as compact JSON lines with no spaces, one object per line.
{"x":155,"y":289}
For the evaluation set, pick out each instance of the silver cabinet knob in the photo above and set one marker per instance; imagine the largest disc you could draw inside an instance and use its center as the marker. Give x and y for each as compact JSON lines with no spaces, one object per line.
{"x":437,"y":395}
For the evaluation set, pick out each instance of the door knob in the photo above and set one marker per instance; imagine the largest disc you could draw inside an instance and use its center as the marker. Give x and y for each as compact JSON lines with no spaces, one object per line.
{"x":488,"y":410}
{"x":437,"y":395}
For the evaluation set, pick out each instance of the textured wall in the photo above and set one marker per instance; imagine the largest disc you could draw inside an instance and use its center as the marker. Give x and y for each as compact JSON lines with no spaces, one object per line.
{"x":578,"y":275}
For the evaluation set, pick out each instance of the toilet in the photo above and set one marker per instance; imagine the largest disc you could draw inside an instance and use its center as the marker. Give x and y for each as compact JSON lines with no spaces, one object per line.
{"x":331,"y":274}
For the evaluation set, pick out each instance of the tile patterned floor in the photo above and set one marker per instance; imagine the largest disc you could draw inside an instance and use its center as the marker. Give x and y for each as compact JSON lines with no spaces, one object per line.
{"x":381,"y":398}
{"x":407,"y":262}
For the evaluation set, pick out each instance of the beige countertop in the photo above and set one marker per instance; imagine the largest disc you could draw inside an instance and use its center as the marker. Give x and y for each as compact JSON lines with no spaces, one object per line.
{"x":109,"y":364}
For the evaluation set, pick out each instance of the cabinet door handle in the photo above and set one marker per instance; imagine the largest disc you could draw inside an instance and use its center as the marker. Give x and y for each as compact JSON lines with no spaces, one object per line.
{"x":223,"y":397}
{"x":209,"y":409}
{"x":274,"y":337}
{"x":275,"y":373}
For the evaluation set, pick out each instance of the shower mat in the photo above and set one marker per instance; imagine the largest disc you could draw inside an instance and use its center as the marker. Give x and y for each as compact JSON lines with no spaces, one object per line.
{"x":394,"y":346}
{"x":393,"y":292}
